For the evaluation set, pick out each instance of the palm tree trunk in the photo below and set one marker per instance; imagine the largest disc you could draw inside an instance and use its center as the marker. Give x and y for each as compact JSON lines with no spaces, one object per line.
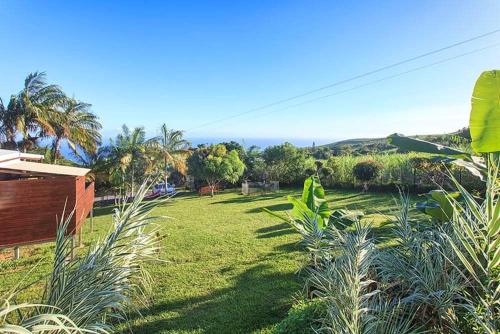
{"x":133,"y":181}
{"x":55,"y":149}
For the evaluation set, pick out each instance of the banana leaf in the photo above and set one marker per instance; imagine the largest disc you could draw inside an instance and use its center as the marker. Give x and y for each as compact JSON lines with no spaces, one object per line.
{"x":438,"y":205}
{"x":313,"y":195}
{"x":485,"y":114}
{"x":342,"y":218}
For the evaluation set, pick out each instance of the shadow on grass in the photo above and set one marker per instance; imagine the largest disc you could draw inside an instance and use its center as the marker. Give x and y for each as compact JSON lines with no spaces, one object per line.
{"x":254,"y":198}
{"x":258,"y":298}
{"x":103,"y":210}
{"x":282,"y":226}
{"x":275,"y":207}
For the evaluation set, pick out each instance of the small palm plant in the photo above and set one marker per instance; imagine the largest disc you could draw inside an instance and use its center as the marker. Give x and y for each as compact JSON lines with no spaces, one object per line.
{"x":96,"y":291}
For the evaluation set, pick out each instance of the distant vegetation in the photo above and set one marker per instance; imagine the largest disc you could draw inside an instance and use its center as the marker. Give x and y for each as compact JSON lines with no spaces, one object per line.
{"x":363,"y":146}
{"x":42,"y":113}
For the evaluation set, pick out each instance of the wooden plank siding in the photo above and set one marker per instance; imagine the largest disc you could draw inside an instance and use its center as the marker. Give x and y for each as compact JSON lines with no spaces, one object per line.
{"x":30,"y":209}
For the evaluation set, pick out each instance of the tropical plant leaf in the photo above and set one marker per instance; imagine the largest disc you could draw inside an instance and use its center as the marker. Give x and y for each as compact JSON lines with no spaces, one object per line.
{"x":342,"y":218}
{"x":439,"y":205}
{"x":485,"y":114}
{"x":313,"y":195}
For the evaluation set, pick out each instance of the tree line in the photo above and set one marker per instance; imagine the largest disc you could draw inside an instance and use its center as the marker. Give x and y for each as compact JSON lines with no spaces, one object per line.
{"x":41,"y":117}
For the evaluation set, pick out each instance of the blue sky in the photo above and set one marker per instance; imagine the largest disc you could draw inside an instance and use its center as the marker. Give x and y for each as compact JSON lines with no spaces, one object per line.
{"x":187,"y":63}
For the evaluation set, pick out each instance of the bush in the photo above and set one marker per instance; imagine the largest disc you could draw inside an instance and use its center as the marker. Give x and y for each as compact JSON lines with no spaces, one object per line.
{"x":302,"y":318}
{"x":366,"y":171}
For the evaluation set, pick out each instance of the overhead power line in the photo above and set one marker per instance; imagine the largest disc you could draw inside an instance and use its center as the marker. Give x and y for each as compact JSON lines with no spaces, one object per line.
{"x":380,"y":80}
{"x":344,"y":81}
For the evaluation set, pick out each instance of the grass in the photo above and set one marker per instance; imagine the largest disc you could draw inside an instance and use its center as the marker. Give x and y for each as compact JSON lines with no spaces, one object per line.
{"x":229,"y":268}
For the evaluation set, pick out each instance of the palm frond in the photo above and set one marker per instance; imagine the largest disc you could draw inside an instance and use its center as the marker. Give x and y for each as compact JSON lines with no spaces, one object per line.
{"x":99,"y":288}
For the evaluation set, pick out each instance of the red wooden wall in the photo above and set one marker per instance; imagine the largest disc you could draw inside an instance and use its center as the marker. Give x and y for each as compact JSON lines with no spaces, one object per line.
{"x":31,"y":209}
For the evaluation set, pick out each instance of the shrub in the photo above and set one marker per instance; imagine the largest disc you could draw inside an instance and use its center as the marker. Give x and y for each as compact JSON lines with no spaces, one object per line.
{"x":366,"y":171}
{"x":302,"y":318}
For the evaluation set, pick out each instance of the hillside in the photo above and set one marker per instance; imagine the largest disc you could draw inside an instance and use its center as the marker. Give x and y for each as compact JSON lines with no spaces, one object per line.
{"x":380,"y":145}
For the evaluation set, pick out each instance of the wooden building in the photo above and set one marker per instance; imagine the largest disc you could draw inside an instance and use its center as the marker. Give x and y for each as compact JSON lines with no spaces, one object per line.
{"x":34,"y":196}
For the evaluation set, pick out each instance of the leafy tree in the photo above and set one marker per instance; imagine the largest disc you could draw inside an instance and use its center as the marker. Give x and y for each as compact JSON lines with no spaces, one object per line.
{"x":255,"y":166}
{"x":214,"y":164}
{"x":286,"y":163}
{"x":171,"y":148}
{"x":235,"y":146}
{"x":322,"y":152}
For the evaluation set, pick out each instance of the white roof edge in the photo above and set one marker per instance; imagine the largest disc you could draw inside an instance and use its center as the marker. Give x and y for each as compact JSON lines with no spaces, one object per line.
{"x":31,"y":156}
{"x":42,"y":168}
{"x":10,"y":155}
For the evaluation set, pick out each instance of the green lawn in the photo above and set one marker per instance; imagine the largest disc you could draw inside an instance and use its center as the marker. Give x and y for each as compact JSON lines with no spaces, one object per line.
{"x":229,"y":268}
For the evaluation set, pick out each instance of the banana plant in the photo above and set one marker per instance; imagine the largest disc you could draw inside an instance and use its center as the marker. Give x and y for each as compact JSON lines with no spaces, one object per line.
{"x":312,"y":206}
{"x":485,"y":114}
{"x":484,"y":127}
{"x":438,"y":204}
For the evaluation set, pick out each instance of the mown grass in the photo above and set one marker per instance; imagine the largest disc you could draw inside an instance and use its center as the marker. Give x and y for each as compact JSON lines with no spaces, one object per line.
{"x":228,"y":267}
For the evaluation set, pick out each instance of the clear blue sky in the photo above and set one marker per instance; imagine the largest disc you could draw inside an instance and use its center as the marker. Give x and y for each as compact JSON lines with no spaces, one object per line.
{"x":186,"y":62}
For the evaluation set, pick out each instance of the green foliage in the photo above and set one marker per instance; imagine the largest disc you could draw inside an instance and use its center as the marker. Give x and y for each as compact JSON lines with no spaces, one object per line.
{"x":366,"y":170}
{"x":286,"y":163}
{"x":438,"y":205}
{"x":434,"y":276}
{"x":42,"y":110}
{"x":476,"y":243}
{"x":126,"y":158}
{"x":418,"y":145}
{"x":313,"y":195}
{"x":214,"y":164}
{"x":171,"y":149}
{"x":94,"y":292}
{"x":396,"y":169}
{"x":485,"y":114}
{"x":302,"y":318}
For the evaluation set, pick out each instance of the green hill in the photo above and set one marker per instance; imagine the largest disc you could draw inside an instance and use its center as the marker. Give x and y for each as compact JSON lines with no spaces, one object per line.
{"x":359,"y":146}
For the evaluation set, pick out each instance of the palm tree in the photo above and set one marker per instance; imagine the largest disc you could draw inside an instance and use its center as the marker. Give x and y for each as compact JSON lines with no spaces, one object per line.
{"x":172,"y":148}
{"x":31,"y":111}
{"x":35,"y":108}
{"x":78,"y":126}
{"x":8,"y":124}
{"x":126,"y":155}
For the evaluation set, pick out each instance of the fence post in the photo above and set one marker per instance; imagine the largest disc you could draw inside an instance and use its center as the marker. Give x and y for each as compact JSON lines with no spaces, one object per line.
{"x":17,"y":253}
